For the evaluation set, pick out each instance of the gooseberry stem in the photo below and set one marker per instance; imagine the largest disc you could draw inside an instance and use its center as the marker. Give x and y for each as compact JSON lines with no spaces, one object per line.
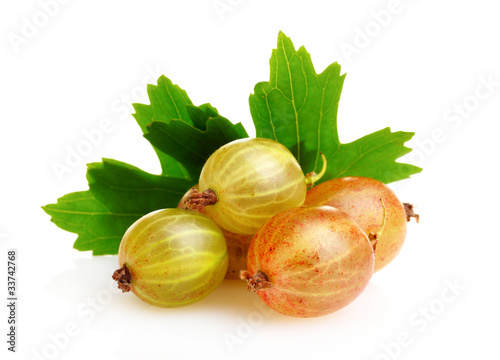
{"x":255,"y":282}
{"x":199,"y":200}
{"x":123,"y":277}
{"x":312,"y":177}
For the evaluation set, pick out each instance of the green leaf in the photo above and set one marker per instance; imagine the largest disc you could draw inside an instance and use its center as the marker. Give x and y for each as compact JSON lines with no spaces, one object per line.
{"x":192,"y":146}
{"x":182,"y":134}
{"x":298,"y":108}
{"x":119,"y":194}
{"x":200,"y":115}
{"x":168,"y":102}
{"x":98,"y":229}
{"x":374,"y":156}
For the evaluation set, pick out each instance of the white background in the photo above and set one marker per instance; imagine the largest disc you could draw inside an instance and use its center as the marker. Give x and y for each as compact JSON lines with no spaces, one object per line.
{"x":90,"y":59}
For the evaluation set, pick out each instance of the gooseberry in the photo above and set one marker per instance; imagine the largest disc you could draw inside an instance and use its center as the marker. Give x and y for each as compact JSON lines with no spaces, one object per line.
{"x":373,"y":205}
{"x":309,"y":261}
{"x":237,"y":244}
{"x":172,"y":258}
{"x":246,"y":182}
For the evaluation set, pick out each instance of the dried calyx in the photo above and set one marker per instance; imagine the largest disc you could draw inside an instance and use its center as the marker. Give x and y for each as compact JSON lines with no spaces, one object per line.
{"x":123,"y":277}
{"x":255,"y":282}
{"x":410,"y":213}
{"x":197,"y":200}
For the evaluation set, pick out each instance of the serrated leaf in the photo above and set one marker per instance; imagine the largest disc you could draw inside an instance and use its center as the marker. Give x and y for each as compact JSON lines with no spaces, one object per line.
{"x":298,"y":108}
{"x":374,"y":156}
{"x":200,"y":115}
{"x":97,"y":228}
{"x":167,"y":102}
{"x":119,"y":194}
{"x":192,"y":146}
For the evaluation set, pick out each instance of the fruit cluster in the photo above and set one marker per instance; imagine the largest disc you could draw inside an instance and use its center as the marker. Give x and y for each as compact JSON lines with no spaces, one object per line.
{"x":305,"y":253}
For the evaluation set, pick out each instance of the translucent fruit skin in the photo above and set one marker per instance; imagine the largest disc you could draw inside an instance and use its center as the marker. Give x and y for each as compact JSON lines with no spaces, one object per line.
{"x":317,"y":258}
{"x":360,"y":198}
{"x":237,"y":246}
{"x":176,"y":257}
{"x":254,"y":179}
